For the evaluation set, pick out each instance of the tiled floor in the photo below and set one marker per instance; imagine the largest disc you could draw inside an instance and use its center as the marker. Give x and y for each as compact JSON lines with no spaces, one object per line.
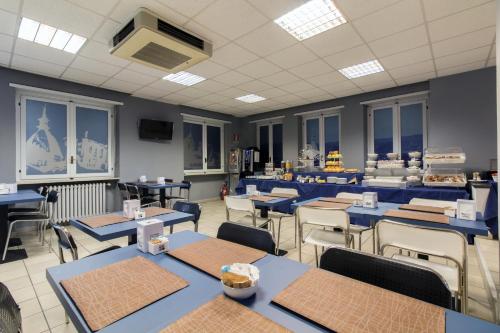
{"x":42,"y":312}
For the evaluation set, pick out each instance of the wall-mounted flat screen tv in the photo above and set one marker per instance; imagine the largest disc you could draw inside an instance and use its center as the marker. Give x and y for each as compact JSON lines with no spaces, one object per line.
{"x":155,"y":130}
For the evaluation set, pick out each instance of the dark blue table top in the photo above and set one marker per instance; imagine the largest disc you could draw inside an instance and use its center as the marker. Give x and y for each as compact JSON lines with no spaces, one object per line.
{"x":276,"y":274}
{"x":20,"y":197}
{"x":128,"y":228}
{"x":271,"y":203}
{"x":155,"y":186}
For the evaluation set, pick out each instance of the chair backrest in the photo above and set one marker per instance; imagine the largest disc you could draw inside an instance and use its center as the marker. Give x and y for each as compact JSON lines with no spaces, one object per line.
{"x":52,"y":199}
{"x":239,"y":204}
{"x":187,"y":184}
{"x":64,"y":237}
{"x":337,"y":218}
{"x":169,"y":180}
{"x":124,"y":191}
{"x":443,"y":243}
{"x":285,"y":190}
{"x":407,"y":279}
{"x":10,"y":313}
{"x":256,"y":238}
{"x":133,"y":190}
{"x":347,"y":195}
{"x":433,"y":203}
{"x":189,"y":208}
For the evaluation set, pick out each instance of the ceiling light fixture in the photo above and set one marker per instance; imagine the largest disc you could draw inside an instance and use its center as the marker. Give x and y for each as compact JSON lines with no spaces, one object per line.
{"x":310,"y":19}
{"x":33,"y":31}
{"x":184,"y":78}
{"x":366,"y":68}
{"x":252,"y":98}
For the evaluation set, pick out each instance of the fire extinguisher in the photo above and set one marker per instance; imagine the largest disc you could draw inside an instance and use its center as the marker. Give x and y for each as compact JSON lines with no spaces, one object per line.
{"x":223,"y":191}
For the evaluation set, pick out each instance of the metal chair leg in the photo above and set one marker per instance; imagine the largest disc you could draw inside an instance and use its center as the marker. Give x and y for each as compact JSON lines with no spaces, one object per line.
{"x":316,"y":255}
{"x":196,"y":227}
{"x":278,"y":237}
{"x":7,"y":242}
{"x":300,"y":243}
{"x":172,"y":229}
{"x":66,"y":317}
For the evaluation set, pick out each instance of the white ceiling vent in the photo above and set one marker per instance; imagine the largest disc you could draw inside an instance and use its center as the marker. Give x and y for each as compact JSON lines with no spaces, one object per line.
{"x":154,"y":42}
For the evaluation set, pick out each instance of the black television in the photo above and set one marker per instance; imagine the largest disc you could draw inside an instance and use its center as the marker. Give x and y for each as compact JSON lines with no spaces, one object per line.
{"x":155,"y":130}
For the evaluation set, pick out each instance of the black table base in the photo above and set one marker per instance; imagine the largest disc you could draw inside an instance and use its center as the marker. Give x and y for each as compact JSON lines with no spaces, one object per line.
{"x":14,"y":255}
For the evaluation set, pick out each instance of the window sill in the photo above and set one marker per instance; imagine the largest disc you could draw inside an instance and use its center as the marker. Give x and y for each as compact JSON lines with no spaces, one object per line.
{"x":204,"y":173}
{"x":64,"y":180}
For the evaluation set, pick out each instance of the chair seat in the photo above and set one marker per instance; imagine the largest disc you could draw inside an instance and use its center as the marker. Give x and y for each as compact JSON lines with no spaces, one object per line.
{"x":276,"y":214}
{"x":325,"y":238}
{"x":259,"y":221}
{"x":34,"y":217}
{"x":354,"y":228}
{"x":448,"y":273}
{"x":23,"y":210}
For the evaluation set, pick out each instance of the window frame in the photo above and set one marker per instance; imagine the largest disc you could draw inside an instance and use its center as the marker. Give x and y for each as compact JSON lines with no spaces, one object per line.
{"x":204,"y":122}
{"x":270,"y":123}
{"x":71,"y":102}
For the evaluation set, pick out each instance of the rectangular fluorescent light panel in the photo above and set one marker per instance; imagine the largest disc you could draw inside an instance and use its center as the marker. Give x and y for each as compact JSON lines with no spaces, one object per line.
{"x":252,"y":98}
{"x":366,"y":68}
{"x":46,"y":35}
{"x":184,"y":78}
{"x":310,"y":19}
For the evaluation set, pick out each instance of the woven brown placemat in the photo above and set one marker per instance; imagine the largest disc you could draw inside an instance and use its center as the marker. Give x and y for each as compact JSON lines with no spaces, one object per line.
{"x":108,"y":294}
{"x":104,"y":220}
{"x":420,"y":216}
{"x":423,"y":208}
{"x":224,"y":315}
{"x":282,"y":195}
{"x":339,"y":200}
{"x":343,"y":304}
{"x":209,"y":255}
{"x":263,"y":198}
{"x":155,"y":211}
{"x":325,"y":204}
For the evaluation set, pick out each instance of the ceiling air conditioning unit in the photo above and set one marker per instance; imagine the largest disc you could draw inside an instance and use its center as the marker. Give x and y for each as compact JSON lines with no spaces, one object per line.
{"x":152,"y":41}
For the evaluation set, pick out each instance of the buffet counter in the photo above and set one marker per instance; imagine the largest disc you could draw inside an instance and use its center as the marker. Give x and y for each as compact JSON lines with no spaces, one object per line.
{"x":325,"y":175}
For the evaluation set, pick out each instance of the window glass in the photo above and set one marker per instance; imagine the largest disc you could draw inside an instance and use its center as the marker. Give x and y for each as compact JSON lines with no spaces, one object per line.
{"x":213,"y":147}
{"x":91,"y":140}
{"x":264,"y":143}
{"x":312,"y":137}
{"x":412,"y":138}
{"x":383,"y":132}
{"x":277,"y":144}
{"x":332,"y":134}
{"x":193,"y":146}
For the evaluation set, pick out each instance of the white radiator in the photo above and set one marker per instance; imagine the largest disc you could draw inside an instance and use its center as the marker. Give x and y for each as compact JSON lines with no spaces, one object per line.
{"x":79,"y":200}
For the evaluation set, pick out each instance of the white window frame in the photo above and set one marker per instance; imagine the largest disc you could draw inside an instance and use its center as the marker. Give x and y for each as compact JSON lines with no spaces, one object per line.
{"x":396,"y":105}
{"x":204,"y":122}
{"x":269,"y":123}
{"x":321,"y":115}
{"x":71,"y":102}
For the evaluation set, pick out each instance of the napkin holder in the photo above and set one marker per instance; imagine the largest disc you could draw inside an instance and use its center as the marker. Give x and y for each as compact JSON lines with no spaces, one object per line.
{"x":143,"y":179}
{"x":147,"y":230}
{"x":129,"y":208}
{"x":139,"y":214}
{"x":370,"y":200}
{"x":251,"y":189}
{"x":160,"y":180}
{"x":466,"y":209}
{"x":158,"y":245}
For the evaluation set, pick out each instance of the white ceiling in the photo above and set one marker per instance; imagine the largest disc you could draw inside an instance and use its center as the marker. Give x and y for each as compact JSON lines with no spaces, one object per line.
{"x":414,"y":40}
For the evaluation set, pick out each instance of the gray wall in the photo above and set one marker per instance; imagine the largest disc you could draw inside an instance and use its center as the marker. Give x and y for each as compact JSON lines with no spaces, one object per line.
{"x":462,"y":112}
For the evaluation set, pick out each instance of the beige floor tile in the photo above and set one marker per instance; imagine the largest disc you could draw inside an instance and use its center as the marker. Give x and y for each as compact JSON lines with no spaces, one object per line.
{"x":14,"y":273}
{"x":43,"y":288}
{"x":49,"y":301}
{"x":18,"y":283}
{"x":35,"y":323}
{"x":30,"y":307}
{"x":55,"y":316}
{"x":64,"y":328}
{"x":38,"y":277}
{"x":23,"y":294}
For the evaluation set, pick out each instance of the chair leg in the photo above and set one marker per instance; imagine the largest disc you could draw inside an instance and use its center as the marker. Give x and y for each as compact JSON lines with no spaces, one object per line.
{"x":66,"y":317}
{"x":316,"y":255}
{"x":196,"y":227}
{"x":359,"y":241}
{"x":7,"y":242}
{"x":300,"y":243}
{"x":272,"y":226}
{"x":61,"y":255}
{"x":278,"y":237}
{"x":296,"y":227}
{"x":172,"y":229}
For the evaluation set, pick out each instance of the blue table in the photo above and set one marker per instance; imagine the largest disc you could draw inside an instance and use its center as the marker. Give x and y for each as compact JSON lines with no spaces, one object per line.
{"x":129,"y":229}
{"x":276,"y":274}
{"x":161,"y":188}
{"x":22,"y":196}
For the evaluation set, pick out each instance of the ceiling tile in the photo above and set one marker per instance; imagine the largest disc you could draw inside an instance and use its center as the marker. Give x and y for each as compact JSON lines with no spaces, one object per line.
{"x":192,"y":92}
{"x":176,"y":99}
{"x":356,"y":55}
{"x":106,"y":32}
{"x":254,"y":86}
{"x":467,"y":57}
{"x":187,"y":8}
{"x":167,"y":86}
{"x":134,"y":77}
{"x":100,"y":52}
{"x":214,"y":98}
{"x":150,"y":92}
{"x":279,"y":78}
{"x":463,"y":22}
{"x":327,"y":79}
{"x":196,"y":103}
{"x":231,"y":18}
{"x":207,"y":69}
{"x":416,"y":78}
{"x":126,"y":9}
{"x":276,"y":8}
{"x":36,"y":66}
{"x":436,"y":9}
{"x":354,"y":9}
{"x":399,"y":42}
{"x":334,"y":40}
{"x":273,"y":92}
{"x":493,"y":51}
{"x":8,"y":23}
{"x":381,"y":77}
{"x":311,"y":69}
{"x":413,"y":69}
{"x":393,"y":19}
{"x":6,"y":42}
{"x":232,"y":78}
{"x":94,"y":66}
{"x":464,"y":42}
{"x":292,"y":56}
{"x":407,"y":57}
{"x":63,"y":15}
{"x":211,"y":85}
{"x":119,"y":85}
{"x":259,"y":68}
{"x":4,"y":58}
{"x":146,"y":70}
{"x":266,"y":39}
{"x":314,"y":94}
{"x":76,"y":75}
{"x":290,"y":99}
{"x":11,"y":5}
{"x":232,"y":92}
{"x":216,"y":39}
{"x":348,"y":92}
{"x":378,"y":86}
{"x":461,"y":68}
{"x":98,"y":6}
{"x":44,"y":53}
{"x":297,"y":86}
{"x":232,"y":56}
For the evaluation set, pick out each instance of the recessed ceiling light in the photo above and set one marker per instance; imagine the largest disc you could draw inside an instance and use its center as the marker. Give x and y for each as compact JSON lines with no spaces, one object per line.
{"x":252,"y":98}
{"x":28,"y":29}
{"x":310,"y":19}
{"x":46,"y":35}
{"x":184,"y":78}
{"x":366,"y":68}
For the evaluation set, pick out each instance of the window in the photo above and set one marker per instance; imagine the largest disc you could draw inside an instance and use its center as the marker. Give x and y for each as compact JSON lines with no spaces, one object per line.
{"x":203,"y":145}
{"x":397,"y":126}
{"x":321,"y":131}
{"x":60,"y":139}
{"x":270,"y":140}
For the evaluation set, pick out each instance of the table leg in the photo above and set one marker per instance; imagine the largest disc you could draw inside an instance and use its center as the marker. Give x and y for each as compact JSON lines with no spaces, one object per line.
{"x":162,"y":197}
{"x":132,"y":239}
{"x":372,"y":225}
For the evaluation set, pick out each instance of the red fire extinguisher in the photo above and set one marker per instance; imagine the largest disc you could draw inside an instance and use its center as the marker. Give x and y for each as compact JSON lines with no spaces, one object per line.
{"x":223,"y":191}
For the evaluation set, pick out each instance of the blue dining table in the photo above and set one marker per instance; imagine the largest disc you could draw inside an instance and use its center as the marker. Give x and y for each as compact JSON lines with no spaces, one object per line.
{"x":129,"y":228}
{"x":22,"y":196}
{"x":276,"y":273}
{"x":161,"y":188}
